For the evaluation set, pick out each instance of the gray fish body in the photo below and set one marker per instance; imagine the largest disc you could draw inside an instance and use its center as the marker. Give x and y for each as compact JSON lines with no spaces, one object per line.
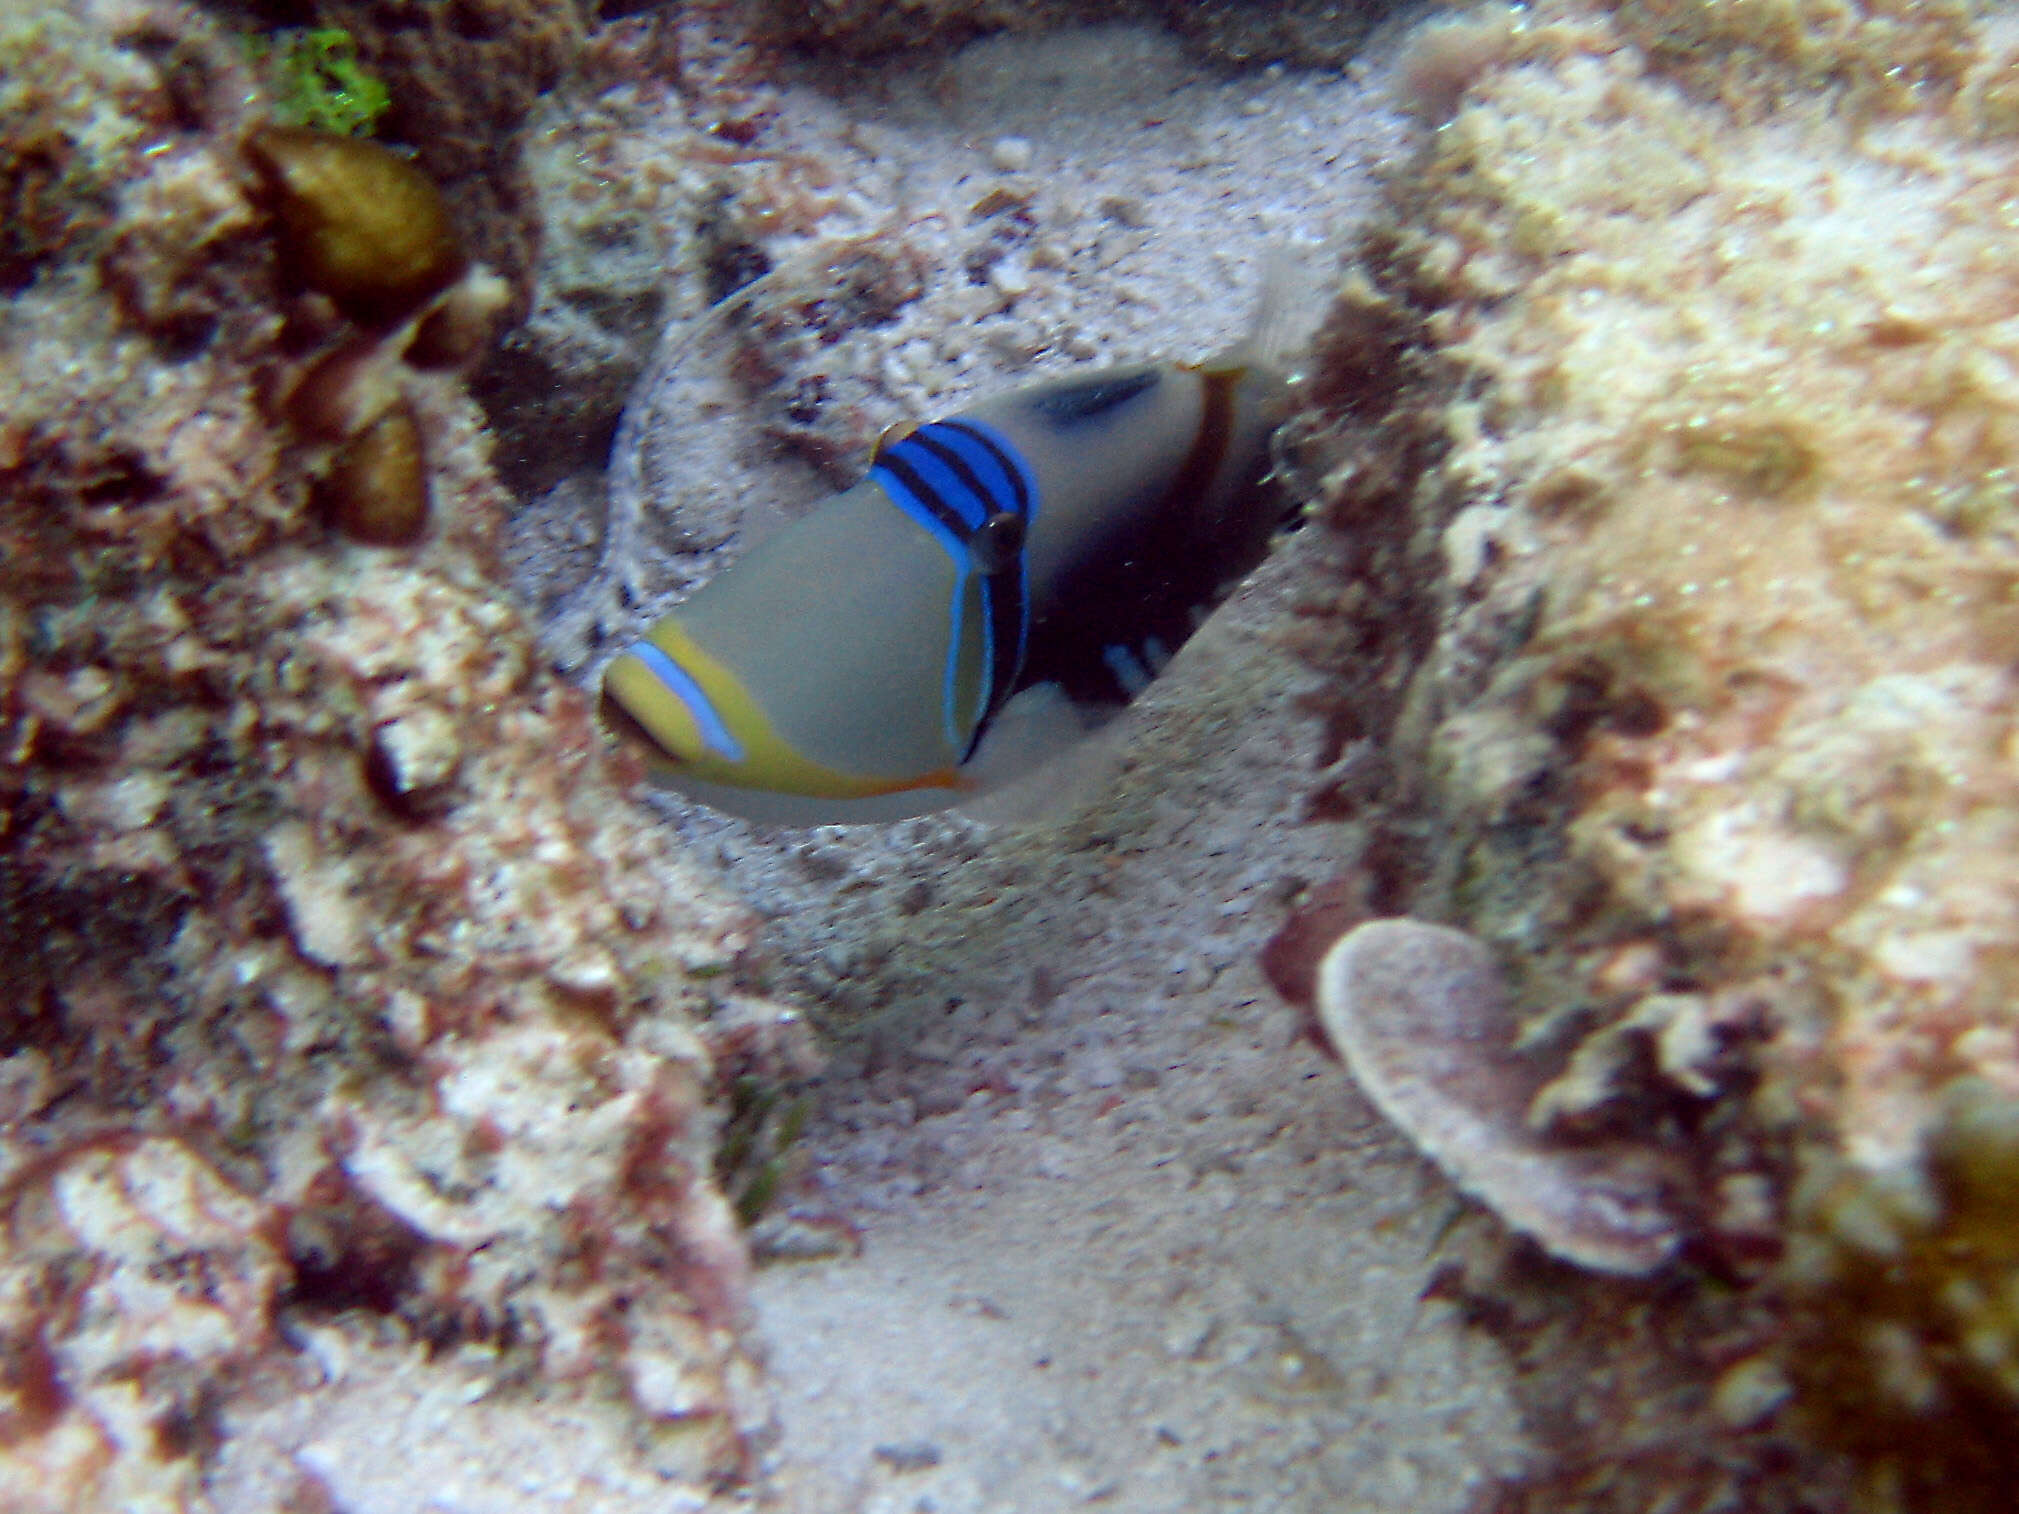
{"x":855,"y":664}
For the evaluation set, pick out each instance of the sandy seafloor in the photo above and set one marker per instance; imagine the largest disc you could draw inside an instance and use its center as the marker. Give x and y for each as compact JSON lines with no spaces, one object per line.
{"x":1176,"y":1264}
{"x":1127,"y":1241}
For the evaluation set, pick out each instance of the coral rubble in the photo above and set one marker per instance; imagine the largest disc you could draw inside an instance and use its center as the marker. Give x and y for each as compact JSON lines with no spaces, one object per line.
{"x":1670,"y":435}
{"x":358,"y":1026}
{"x":1318,"y":33}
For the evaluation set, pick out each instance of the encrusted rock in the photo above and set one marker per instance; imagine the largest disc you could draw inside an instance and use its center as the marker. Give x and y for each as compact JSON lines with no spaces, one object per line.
{"x":139,"y":1284}
{"x":353,"y":1069}
{"x":1676,"y":590}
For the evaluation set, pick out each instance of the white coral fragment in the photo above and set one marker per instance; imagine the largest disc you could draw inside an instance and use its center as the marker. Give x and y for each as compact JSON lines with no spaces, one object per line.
{"x":1761,"y":872}
{"x":1422,"y":1018}
{"x":329,"y":920}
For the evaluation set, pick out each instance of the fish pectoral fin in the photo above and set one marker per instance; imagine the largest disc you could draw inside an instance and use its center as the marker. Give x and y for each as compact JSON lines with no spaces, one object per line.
{"x":1043,"y":760}
{"x":1034,"y":726}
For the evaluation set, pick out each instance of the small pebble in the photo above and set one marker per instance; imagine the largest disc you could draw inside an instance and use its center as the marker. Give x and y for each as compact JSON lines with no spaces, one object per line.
{"x":1099,"y":1069}
{"x":413,"y":761}
{"x":908,"y":1455}
{"x":1751,"y":1393}
{"x":1011,"y":154}
{"x":1008,"y":278}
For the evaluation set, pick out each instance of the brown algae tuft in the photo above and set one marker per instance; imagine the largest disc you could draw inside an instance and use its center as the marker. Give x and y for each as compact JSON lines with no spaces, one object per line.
{"x":1764,"y":459}
{"x":376,"y":490}
{"x":365,"y":228}
{"x":1420,"y":1014}
{"x":358,"y":222}
{"x":1905,"y":1281}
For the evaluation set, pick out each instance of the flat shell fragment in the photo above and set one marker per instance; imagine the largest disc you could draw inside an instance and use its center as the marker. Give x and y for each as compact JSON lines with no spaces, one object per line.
{"x":1420,"y":1014}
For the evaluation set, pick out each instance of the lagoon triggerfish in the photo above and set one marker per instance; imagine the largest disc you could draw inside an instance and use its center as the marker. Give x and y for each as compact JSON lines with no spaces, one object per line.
{"x":1003,"y":575}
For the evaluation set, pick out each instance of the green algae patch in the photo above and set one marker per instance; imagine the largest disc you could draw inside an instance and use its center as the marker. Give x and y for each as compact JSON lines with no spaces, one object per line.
{"x":318,"y":83}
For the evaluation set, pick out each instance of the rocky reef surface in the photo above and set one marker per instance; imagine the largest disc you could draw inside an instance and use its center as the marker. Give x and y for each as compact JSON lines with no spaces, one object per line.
{"x":371,"y":1053}
{"x":360,"y":1034}
{"x":1669,"y":426}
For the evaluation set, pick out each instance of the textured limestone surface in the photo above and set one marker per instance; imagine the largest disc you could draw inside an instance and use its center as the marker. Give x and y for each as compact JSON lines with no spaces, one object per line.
{"x":1671,"y":435}
{"x":1239,"y":32}
{"x":360,"y":1035}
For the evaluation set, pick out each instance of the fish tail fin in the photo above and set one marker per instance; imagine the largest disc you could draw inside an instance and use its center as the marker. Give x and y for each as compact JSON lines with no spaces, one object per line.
{"x":1278,"y":339}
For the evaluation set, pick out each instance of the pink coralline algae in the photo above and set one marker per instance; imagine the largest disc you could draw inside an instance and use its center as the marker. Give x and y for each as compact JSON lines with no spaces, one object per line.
{"x":154,"y":1282}
{"x":1420,"y":1015}
{"x":352,"y":1003}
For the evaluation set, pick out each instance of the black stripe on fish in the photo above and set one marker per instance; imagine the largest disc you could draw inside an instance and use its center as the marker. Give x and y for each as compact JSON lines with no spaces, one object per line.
{"x":1006,"y":594}
{"x":917,"y":495}
{"x":1005,"y":589}
{"x":1012,"y":466}
{"x":1153,"y":585}
{"x":988,"y":498}
{"x":1071,"y":404}
{"x":984,"y":533}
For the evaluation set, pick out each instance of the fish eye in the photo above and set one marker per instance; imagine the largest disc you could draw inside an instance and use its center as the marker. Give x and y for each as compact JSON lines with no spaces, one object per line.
{"x":997,"y":541}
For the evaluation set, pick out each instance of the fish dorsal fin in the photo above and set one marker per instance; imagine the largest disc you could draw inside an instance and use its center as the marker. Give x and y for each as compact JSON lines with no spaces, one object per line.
{"x":1279,"y":335}
{"x":1074,"y":402}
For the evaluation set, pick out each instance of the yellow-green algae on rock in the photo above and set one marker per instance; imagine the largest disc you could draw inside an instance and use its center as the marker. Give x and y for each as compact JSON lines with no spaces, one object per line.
{"x":1675,"y":424}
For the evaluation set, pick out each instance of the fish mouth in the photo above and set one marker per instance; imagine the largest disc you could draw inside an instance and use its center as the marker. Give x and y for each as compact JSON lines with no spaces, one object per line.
{"x":625,"y":726}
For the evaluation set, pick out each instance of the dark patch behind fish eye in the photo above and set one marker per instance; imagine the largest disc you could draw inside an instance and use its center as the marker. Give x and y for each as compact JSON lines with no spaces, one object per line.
{"x":997,"y":541}
{"x":1070,"y":404}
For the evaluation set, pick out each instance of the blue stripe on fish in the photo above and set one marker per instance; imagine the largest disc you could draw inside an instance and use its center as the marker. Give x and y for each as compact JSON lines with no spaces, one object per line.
{"x":932,"y":484}
{"x":988,"y":453}
{"x":681,"y":685}
{"x":950,"y":466}
{"x":929,"y":492}
{"x":950,"y":712}
{"x":952,"y":477}
{"x":985,"y":448}
{"x":915,"y":498}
